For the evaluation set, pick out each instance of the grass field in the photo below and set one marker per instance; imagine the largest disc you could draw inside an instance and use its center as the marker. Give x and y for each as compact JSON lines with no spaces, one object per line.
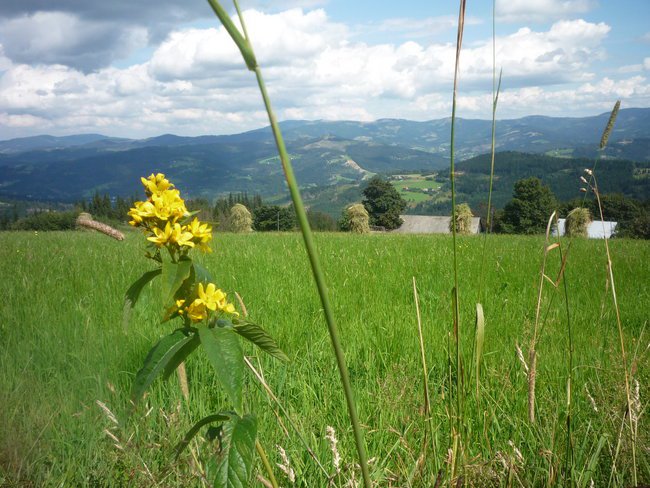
{"x":416,"y":182}
{"x":64,"y":347}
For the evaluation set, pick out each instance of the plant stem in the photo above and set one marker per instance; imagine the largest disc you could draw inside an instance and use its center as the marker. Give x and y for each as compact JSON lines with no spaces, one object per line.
{"x":456,"y":311}
{"x":243,"y":42}
{"x":620,"y":329}
{"x":425,"y":377}
{"x":265,"y":462}
{"x":320,"y":280}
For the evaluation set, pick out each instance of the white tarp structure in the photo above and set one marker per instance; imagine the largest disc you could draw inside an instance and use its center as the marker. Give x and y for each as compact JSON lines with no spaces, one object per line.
{"x":597,"y":229}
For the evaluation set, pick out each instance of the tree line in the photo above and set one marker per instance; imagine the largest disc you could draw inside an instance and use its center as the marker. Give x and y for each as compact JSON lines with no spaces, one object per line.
{"x":527,"y":212}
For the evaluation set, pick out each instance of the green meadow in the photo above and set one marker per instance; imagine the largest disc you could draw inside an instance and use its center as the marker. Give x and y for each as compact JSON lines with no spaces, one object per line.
{"x":410,"y":188}
{"x":64,"y":347}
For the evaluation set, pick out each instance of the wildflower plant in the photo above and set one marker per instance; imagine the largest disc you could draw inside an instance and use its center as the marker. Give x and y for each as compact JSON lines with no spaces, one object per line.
{"x":207,"y":319}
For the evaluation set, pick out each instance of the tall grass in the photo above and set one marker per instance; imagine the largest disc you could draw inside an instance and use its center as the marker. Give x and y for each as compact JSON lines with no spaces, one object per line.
{"x":246,"y":49}
{"x":73,"y":352}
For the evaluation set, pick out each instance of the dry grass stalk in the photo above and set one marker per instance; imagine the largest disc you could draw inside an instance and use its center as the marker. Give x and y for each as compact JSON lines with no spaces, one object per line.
{"x":182,"y":379}
{"x":107,"y":412}
{"x":86,"y":220}
{"x":520,"y":355}
{"x":330,"y":435}
{"x":285,"y":466}
{"x":532,"y":355}
{"x":610,"y":125}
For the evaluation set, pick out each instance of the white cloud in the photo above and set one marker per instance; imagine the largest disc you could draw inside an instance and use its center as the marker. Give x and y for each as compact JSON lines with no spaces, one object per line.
{"x":540,"y":10}
{"x":646,"y":64}
{"x":196,"y":82}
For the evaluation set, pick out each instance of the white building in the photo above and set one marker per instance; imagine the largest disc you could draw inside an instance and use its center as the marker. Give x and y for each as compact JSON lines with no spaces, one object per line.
{"x":596,"y":229}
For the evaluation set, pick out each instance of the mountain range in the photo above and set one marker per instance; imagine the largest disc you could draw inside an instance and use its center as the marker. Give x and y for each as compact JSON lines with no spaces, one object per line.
{"x":325,"y":154}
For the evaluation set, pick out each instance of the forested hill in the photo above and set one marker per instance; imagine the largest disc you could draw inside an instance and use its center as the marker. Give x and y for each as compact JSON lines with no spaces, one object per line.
{"x":629,"y":178}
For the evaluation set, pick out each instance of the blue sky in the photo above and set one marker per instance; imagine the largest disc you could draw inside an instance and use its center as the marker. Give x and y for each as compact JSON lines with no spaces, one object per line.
{"x":143,"y":68}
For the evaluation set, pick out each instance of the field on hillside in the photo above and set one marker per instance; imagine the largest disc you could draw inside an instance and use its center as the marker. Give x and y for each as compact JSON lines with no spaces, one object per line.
{"x":64,"y":348}
{"x":416,"y":188}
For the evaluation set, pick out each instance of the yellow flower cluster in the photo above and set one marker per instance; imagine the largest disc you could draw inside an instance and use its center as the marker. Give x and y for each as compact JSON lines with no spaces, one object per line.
{"x":164,"y":216}
{"x":210,"y":299}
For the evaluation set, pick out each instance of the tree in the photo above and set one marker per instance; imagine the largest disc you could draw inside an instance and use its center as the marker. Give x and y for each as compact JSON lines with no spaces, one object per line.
{"x":355,"y":219}
{"x":530,"y":208}
{"x":463,"y":219}
{"x":383,"y":203}
{"x":273,"y":218}
{"x":320,"y":221}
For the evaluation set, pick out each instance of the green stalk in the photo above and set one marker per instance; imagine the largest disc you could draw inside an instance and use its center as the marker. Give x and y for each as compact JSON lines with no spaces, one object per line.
{"x":243,"y":42}
{"x":319,"y":278}
{"x":265,"y":462}
{"x":459,"y":42}
{"x":496,"y":89}
{"x":568,"y":467}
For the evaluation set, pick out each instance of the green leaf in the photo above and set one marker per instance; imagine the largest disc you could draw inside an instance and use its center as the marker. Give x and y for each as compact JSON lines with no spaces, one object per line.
{"x":181,"y":354}
{"x":201,"y":274}
{"x":235,"y":460}
{"x":157,"y":360}
{"x":173,"y":276}
{"x":133,"y":293}
{"x":217,"y":417}
{"x":227,"y":357}
{"x":258,"y":336}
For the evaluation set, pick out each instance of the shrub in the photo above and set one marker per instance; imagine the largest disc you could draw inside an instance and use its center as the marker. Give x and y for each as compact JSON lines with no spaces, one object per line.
{"x":47,"y":221}
{"x":577,"y":222}
{"x":240,"y":219}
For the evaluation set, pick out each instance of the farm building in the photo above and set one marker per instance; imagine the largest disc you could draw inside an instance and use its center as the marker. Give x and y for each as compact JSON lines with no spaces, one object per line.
{"x":595,"y":229}
{"x":426,"y":224}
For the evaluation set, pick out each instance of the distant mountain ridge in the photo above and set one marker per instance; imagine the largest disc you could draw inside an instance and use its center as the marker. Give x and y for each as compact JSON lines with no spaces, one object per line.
{"x":326,"y":154}
{"x":537,"y":134}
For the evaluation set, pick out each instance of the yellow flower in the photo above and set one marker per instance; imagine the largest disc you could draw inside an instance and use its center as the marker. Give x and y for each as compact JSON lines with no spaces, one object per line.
{"x":200,"y":230}
{"x":215,"y":299}
{"x":196,"y":311}
{"x":141,"y":211}
{"x":168,"y":205}
{"x":172,"y":234}
{"x":202,"y":233}
{"x":156,"y":184}
{"x":210,"y":296}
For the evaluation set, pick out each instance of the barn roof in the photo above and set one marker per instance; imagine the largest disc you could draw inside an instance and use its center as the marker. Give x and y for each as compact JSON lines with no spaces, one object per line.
{"x":427,"y":224}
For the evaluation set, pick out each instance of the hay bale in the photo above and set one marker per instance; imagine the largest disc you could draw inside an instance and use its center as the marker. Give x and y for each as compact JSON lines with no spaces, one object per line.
{"x":240,"y":219}
{"x":356,"y":219}
{"x":577,"y":222}
{"x":463,"y":219}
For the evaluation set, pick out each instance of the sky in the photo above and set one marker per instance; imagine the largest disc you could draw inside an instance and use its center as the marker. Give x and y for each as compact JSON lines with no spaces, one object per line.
{"x":141,"y":68}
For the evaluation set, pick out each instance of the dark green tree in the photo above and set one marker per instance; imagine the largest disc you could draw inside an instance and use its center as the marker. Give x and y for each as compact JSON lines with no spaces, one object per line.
{"x":273,"y":218}
{"x":383,"y":203}
{"x":321,"y":221}
{"x":530,"y":208}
